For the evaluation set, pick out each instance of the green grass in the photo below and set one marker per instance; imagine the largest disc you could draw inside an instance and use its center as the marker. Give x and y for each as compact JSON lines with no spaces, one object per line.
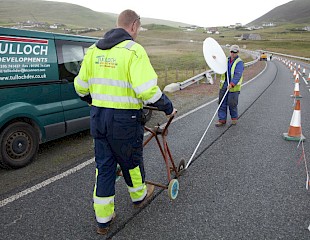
{"x":176,"y":58}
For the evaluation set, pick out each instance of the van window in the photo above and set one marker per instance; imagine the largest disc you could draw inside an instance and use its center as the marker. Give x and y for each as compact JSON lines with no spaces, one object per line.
{"x":70,"y":55}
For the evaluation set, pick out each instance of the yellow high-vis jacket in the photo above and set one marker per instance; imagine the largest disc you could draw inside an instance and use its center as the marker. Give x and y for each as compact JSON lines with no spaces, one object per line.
{"x":120,"y":77}
{"x":236,"y":75}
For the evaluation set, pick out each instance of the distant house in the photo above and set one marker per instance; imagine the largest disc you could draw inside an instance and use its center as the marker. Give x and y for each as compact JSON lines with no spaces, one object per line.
{"x":250,"y":36}
{"x":307,"y":28}
{"x":142,"y":29}
{"x":56,"y":25}
{"x":31,"y":24}
{"x":213,"y":31}
{"x":237,"y":25}
{"x":191,"y":28}
{"x":269,"y":24}
{"x":251,"y":28}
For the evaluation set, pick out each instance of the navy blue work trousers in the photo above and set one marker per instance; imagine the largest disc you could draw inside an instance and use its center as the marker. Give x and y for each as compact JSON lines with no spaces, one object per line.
{"x":231,"y":102}
{"x":118,"y":138}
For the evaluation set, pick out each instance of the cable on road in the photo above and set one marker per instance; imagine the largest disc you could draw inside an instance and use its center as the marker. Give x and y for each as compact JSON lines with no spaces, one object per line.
{"x":112,"y":234}
{"x":303,"y":157}
{"x":192,"y":159}
{"x":206,"y":130}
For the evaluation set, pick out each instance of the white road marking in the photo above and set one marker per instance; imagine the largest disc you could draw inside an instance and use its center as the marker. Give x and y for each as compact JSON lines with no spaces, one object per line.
{"x":306,"y":82}
{"x":45,"y":183}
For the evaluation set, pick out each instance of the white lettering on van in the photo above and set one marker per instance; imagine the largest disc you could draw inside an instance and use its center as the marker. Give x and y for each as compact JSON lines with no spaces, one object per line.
{"x":27,"y":49}
{"x":11,"y":51}
{"x":11,"y":48}
{"x":43,"y":49}
{"x":23,"y":59}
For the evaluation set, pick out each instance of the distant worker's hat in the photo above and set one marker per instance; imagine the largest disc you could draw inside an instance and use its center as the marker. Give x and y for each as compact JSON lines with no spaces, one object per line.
{"x":234,"y":48}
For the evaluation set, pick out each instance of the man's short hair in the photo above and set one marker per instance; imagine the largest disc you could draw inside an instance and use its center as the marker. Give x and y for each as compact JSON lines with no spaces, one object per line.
{"x":127,"y":17}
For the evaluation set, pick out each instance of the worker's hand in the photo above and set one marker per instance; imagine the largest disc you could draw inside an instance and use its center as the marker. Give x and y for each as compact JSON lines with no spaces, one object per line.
{"x":174,"y":112}
{"x":230,"y":86}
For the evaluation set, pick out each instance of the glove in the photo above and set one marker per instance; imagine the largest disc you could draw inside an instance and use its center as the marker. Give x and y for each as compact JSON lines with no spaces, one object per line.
{"x":174,"y":112}
{"x":87,"y":99}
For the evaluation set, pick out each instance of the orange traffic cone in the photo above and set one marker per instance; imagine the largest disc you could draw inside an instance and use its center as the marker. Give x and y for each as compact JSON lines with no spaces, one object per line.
{"x":304,"y":72}
{"x":296,"y":91}
{"x":309,"y":77}
{"x":294,"y":74}
{"x":294,"y":131}
{"x":299,"y":67}
{"x":297,"y":78}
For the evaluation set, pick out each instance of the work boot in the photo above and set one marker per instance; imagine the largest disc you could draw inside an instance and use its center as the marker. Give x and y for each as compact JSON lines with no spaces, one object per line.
{"x":149,"y":194}
{"x":220,"y":124}
{"x":104,"y":230}
{"x":234,"y":122}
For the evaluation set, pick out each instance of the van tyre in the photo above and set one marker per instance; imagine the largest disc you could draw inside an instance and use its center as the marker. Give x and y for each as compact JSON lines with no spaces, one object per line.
{"x":19,"y":145}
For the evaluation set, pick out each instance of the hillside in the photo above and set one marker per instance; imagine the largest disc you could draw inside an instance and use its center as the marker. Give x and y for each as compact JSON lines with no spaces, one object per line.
{"x":75,"y":16}
{"x":150,"y":21}
{"x":13,"y":11}
{"x":296,"y":11}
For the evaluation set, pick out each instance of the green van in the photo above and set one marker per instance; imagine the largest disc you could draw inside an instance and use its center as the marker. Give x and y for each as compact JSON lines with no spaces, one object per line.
{"x":38,"y":102}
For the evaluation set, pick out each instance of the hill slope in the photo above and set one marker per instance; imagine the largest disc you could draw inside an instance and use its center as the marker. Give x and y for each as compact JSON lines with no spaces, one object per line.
{"x":297,"y":11}
{"x":13,"y":11}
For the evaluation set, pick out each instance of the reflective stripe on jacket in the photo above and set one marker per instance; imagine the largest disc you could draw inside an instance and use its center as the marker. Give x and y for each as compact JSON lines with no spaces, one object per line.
{"x":121,"y":77}
{"x":237,"y":87}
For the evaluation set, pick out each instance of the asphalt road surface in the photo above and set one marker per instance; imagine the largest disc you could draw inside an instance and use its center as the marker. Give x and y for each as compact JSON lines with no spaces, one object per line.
{"x":245,"y":181}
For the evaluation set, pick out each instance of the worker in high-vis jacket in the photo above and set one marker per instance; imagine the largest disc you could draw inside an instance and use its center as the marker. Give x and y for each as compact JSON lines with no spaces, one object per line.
{"x":116,"y":78}
{"x":233,"y":86}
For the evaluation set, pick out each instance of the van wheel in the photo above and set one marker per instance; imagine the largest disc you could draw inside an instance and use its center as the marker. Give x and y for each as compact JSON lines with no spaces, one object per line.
{"x":19,"y":145}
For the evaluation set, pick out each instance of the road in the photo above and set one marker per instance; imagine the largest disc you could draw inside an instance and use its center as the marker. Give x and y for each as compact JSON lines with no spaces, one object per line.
{"x":245,"y":181}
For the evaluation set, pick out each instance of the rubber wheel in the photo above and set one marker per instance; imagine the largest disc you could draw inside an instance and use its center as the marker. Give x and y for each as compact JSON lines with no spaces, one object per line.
{"x":19,"y":143}
{"x":173,"y":189}
{"x":181,"y":165}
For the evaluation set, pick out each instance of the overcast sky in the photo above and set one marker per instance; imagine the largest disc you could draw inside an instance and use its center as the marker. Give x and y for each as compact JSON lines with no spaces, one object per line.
{"x":206,"y":14}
